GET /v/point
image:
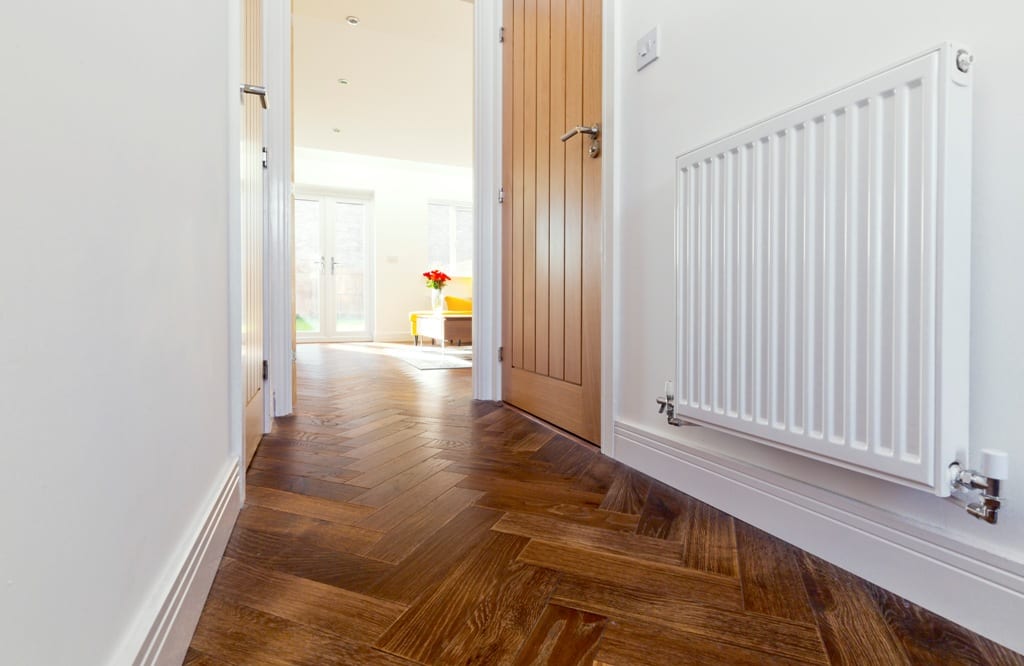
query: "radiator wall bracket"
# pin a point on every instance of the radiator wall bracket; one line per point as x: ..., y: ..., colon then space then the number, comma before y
x: 994, y: 470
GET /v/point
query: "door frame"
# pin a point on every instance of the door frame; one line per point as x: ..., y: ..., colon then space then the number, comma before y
x: 487, y: 164
x: 366, y: 199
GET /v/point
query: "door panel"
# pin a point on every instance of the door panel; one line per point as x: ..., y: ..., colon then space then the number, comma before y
x: 552, y: 220
x: 252, y: 227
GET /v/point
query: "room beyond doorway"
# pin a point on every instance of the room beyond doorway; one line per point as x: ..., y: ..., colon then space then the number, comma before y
x: 388, y: 141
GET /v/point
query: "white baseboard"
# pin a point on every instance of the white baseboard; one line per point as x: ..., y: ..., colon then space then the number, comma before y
x: 973, y: 588
x: 170, y: 631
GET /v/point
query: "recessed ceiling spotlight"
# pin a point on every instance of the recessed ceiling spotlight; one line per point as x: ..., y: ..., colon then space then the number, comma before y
x: 343, y: 82
x: 352, y: 20
x: 336, y: 130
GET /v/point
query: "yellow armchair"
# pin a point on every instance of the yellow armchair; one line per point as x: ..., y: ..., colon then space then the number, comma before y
x: 453, y: 305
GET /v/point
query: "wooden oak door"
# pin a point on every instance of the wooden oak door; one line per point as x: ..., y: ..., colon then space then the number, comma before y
x: 252, y: 226
x: 551, y: 217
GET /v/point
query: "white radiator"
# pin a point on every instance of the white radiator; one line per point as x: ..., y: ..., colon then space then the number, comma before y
x: 823, y: 275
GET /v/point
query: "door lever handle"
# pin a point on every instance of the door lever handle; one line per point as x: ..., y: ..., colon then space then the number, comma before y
x: 593, y: 131
x: 250, y: 89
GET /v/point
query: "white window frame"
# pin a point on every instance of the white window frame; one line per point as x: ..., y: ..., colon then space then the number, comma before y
x: 453, y: 257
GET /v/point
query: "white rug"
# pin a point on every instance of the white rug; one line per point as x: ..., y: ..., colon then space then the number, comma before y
x: 425, y: 357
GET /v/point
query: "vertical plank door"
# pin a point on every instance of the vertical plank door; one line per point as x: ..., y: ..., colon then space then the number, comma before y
x: 551, y: 219
x: 252, y: 227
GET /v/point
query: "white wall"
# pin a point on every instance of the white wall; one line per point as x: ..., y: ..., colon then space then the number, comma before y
x: 728, y: 64
x: 401, y: 191
x: 114, y: 292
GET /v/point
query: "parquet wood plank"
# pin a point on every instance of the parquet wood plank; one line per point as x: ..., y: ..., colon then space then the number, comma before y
x: 304, y: 505
x: 277, y: 446
x: 367, y: 446
x: 422, y: 633
x: 598, y: 476
x: 772, y: 580
x: 494, y: 632
x: 644, y: 644
x: 304, y: 485
x: 584, y: 515
x: 627, y: 492
x: 400, y: 484
x: 426, y: 567
x: 296, y: 468
x: 709, y: 541
x: 337, y: 536
x: 635, y: 574
x: 348, y: 614
x: 243, y: 635
x: 851, y: 625
x: 374, y: 477
x: 664, y: 514
x: 396, y: 451
x: 563, y: 636
x: 396, y: 544
x: 307, y: 559
x: 922, y: 633
x: 400, y: 508
x: 555, y: 493
x: 373, y: 426
x: 782, y: 638
x: 994, y: 654
x: 557, y: 531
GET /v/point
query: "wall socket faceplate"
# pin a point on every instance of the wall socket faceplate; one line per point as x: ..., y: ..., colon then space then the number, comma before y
x: 647, y: 48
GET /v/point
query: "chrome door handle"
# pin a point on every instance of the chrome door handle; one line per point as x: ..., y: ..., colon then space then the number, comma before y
x: 595, y: 133
x: 333, y: 264
x: 250, y: 89
x: 320, y: 263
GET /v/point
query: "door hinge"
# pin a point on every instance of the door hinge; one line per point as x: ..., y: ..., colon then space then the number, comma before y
x: 501, y: 354
x: 501, y: 195
x: 266, y: 370
x: 501, y: 35
x: 264, y: 157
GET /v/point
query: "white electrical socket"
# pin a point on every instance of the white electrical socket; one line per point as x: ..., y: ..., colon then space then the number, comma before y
x: 647, y: 49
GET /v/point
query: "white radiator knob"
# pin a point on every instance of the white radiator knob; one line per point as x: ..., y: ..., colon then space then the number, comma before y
x: 995, y: 464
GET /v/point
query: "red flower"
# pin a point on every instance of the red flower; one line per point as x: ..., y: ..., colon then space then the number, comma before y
x: 436, y: 279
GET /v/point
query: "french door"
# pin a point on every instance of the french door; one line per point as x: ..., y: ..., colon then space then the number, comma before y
x: 333, y: 268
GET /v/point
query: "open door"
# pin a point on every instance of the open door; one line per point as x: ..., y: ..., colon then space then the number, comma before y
x: 551, y: 220
x: 254, y: 102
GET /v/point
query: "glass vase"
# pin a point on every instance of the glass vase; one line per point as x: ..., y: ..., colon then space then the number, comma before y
x: 436, y: 301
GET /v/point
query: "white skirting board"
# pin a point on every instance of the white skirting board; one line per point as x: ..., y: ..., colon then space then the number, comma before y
x: 976, y: 589
x: 165, y: 635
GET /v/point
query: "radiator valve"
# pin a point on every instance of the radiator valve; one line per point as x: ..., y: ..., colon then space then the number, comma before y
x: 667, y: 406
x: 994, y: 470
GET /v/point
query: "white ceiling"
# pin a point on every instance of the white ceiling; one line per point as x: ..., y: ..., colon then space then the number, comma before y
x: 410, y: 69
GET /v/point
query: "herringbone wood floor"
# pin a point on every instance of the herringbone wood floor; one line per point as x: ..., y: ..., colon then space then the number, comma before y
x: 393, y: 520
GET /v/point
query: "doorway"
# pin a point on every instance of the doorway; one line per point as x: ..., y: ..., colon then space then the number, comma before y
x: 333, y: 268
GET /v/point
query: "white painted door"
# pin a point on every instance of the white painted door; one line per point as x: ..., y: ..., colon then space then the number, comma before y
x: 333, y: 268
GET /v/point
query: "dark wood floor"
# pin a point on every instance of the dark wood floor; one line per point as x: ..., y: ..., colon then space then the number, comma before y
x: 393, y: 520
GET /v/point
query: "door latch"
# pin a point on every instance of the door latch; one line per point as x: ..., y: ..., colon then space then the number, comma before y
x: 595, y: 137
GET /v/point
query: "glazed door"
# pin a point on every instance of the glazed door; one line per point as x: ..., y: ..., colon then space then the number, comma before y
x: 333, y: 268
